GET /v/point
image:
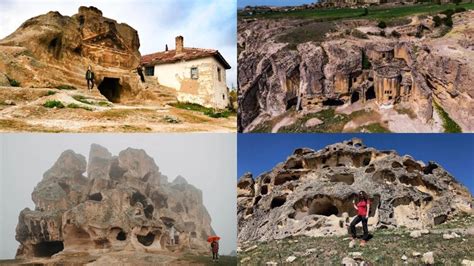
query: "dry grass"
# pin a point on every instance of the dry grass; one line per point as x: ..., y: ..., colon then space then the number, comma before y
x: 11, y: 125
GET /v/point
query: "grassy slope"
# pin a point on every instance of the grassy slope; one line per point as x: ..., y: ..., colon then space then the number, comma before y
x: 385, y: 248
x: 376, y: 13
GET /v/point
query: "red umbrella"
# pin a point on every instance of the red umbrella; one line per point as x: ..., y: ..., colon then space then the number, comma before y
x: 213, y: 238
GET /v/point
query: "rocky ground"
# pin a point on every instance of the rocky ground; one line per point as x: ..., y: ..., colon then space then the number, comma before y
x: 24, y: 110
x: 450, y: 243
x: 303, y: 54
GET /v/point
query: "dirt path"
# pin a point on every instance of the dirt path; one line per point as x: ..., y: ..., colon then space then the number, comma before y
x: 286, y: 121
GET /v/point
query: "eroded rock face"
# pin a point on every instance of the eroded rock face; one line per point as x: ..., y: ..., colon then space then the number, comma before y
x: 124, y: 203
x: 275, y: 76
x: 311, y: 193
x: 51, y: 50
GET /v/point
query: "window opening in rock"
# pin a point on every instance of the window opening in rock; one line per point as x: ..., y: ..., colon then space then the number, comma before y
x: 354, y: 97
x: 277, y: 201
x: 333, y: 102
x: 264, y: 190
x: 121, y: 236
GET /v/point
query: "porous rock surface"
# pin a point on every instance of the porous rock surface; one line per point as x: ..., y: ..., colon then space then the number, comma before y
x: 52, y: 50
x: 275, y: 76
x: 311, y: 193
x: 124, y: 203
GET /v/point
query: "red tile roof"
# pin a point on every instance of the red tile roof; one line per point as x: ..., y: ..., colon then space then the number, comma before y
x: 170, y: 56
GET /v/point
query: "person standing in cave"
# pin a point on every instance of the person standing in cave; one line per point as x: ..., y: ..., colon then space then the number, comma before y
x: 215, y: 250
x: 363, y: 207
x: 90, y: 78
x: 140, y: 73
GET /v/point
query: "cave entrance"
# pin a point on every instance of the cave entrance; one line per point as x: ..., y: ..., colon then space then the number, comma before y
x: 323, y: 206
x: 370, y: 93
x: 146, y: 240
x: 291, y: 103
x: 333, y: 102
x: 48, y: 249
x: 354, y: 97
x: 111, y: 89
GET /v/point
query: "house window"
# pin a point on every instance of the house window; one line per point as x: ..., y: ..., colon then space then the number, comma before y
x: 149, y: 71
x: 194, y: 73
x: 219, y: 74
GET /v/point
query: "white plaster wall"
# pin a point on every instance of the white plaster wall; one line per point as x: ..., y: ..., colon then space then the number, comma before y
x: 171, y: 75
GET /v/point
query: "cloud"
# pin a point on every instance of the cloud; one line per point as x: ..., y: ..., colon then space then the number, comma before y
x: 203, y: 23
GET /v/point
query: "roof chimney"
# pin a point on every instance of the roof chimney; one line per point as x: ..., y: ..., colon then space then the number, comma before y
x: 166, y: 48
x: 179, y: 44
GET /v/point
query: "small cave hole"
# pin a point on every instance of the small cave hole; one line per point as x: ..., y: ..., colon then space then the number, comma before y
x: 370, y: 93
x: 333, y: 102
x: 146, y: 240
x: 121, y: 236
x: 277, y: 201
x: 264, y: 190
x: 149, y: 211
x: 96, y: 197
x: 396, y: 165
x: 48, y: 249
x: 354, y: 98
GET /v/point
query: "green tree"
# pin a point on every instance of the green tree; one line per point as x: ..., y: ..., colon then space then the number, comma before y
x: 382, y: 24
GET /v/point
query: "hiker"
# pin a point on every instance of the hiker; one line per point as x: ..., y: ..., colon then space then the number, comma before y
x: 90, y: 78
x: 362, y: 207
x: 172, y: 233
x: 215, y: 250
x: 140, y: 73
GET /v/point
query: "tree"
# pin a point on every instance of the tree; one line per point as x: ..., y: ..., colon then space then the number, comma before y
x: 366, y: 12
x: 437, y: 21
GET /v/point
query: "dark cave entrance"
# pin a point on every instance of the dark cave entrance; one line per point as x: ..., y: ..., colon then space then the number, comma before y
x: 121, y: 236
x: 48, y: 249
x: 370, y: 93
x: 323, y: 206
x: 146, y: 240
x: 291, y: 103
x: 354, y: 97
x: 333, y: 102
x: 111, y: 89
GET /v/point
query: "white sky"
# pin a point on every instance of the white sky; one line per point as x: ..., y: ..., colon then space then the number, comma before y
x: 210, y: 24
x: 207, y: 161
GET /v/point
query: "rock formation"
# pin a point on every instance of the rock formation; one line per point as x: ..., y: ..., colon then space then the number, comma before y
x: 124, y: 203
x: 311, y: 193
x: 52, y: 50
x: 340, y: 69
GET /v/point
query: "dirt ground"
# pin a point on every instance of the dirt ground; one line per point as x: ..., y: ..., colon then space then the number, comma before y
x: 23, y: 110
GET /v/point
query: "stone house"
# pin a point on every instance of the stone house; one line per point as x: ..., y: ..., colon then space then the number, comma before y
x: 198, y: 75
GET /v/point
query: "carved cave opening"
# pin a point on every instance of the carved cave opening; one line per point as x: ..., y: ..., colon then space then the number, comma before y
x: 146, y: 240
x: 121, y: 236
x: 370, y: 93
x: 111, y: 89
x: 278, y: 201
x: 95, y: 197
x: 355, y: 97
x: 48, y: 249
x: 54, y: 47
x: 333, y: 102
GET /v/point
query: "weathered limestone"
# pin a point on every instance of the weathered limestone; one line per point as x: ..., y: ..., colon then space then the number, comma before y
x: 311, y: 193
x: 124, y: 203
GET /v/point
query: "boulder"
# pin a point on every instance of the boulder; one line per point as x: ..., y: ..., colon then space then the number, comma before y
x: 428, y: 258
x: 119, y: 206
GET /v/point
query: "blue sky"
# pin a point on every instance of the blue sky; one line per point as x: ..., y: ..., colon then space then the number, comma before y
x: 243, y: 3
x: 258, y: 153
x: 203, y: 23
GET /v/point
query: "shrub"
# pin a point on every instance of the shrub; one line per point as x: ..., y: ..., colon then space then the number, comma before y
x: 53, y: 104
x: 448, y: 12
x: 459, y: 10
x: 13, y: 82
x: 366, y: 12
x: 395, y: 34
x: 365, y: 62
x: 49, y: 93
x: 448, y: 21
x: 382, y: 24
x: 437, y: 21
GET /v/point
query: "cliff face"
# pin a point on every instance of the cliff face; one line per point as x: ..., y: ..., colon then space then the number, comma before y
x: 52, y: 49
x: 311, y: 193
x: 278, y: 73
x: 124, y: 203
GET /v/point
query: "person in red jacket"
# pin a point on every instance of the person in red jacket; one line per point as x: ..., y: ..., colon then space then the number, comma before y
x: 215, y: 250
x: 363, y: 207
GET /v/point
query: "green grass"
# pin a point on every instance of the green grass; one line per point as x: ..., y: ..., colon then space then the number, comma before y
x: 82, y: 99
x: 385, y: 248
x: 449, y: 125
x: 66, y: 87
x: 375, y: 13
x: 53, y: 104
x: 49, y: 93
x: 315, y: 32
x: 207, y: 111
x: 76, y: 106
x: 13, y: 82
